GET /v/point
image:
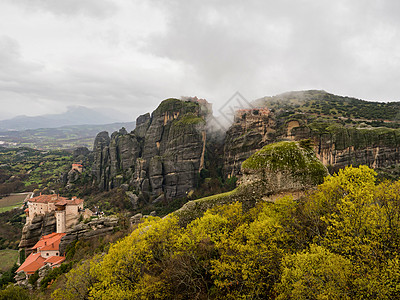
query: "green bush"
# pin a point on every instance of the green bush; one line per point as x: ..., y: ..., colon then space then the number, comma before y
x: 12, y: 292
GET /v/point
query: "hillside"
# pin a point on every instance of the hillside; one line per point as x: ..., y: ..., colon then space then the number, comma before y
x: 216, y: 246
x: 25, y: 169
x: 309, y: 248
x: 67, y: 137
x: 319, y: 102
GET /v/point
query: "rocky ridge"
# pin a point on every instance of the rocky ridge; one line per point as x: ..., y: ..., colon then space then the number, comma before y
x: 283, y: 168
x: 161, y: 158
x: 336, y: 145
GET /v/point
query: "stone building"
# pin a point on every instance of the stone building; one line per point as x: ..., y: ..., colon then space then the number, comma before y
x: 45, y: 253
x: 67, y: 211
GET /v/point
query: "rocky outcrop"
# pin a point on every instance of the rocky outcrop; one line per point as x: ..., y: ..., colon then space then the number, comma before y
x: 336, y: 146
x: 162, y: 157
x: 284, y: 168
x: 250, y: 131
x: 93, y: 229
x: 39, y: 226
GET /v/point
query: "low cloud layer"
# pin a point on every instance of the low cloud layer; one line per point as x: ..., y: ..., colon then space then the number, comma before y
x: 130, y: 55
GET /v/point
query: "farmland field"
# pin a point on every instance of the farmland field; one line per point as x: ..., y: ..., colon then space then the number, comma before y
x: 7, y: 259
x: 12, y: 201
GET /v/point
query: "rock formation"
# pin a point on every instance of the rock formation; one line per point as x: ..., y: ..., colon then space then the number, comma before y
x: 277, y: 169
x: 282, y: 167
x: 162, y: 157
x: 32, y: 232
x: 335, y: 145
x: 94, y: 229
x: 250, y: 131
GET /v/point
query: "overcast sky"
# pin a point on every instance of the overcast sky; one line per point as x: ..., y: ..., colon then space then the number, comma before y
x: 129, y: 55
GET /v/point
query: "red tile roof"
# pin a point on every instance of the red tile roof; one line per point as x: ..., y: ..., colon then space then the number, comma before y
x: 54, y: 260
x: 50, y: 242
x: 46, y: 199
x: 32, y: 263
x: 73, y: 201
x: 57, y: 200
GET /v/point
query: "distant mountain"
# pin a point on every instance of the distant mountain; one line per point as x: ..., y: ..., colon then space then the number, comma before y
x: 75, y: 115
x: 66, y: 137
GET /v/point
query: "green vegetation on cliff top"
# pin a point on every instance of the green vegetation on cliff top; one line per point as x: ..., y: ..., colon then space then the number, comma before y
x: 189, y: 119
x: 173, y: 104
x: 297, y: 158
x: 323, y: 103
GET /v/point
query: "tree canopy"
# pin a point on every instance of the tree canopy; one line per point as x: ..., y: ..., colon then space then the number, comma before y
x: 340, y: 241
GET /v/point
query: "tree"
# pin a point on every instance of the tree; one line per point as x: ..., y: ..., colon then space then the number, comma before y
x: 315, y: 274
x: 12, y: 292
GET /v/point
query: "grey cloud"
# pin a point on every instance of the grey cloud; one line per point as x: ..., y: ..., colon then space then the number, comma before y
x: 131, y: 90
x: 91, y: 8
x: 206, y: 48
x: 275, y: 46
x: 11, y: 61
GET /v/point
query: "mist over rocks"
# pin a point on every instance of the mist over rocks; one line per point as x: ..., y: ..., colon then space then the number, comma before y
x: 163, y: 157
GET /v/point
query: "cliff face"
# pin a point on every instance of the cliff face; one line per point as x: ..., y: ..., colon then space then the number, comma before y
x: 283, y: 168
x: 250, y: 131
x: 162, y: 157
x: 40, y: 225
x: 339, y: 146
x: 335, y: 145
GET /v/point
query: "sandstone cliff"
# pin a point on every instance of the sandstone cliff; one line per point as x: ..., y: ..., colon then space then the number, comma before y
x: 94, y: 229
x: 278, y: 169
x: 336, y: 145
x: 32, y: 232
x: 161, y: 158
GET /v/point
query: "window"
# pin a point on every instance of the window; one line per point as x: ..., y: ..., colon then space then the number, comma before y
x: 47, y: 254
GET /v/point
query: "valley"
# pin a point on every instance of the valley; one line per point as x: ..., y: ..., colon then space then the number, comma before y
x: 277, y: 182
x: 60, y: 138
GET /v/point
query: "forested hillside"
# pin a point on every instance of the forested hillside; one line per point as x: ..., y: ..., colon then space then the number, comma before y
x: 340, y: 241
x: 323, y: 103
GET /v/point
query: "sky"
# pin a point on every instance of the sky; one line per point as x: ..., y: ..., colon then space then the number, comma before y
x: 129, y: 55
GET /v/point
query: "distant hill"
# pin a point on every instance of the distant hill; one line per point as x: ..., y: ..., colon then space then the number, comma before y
x: 66, y: 137
x: 75, y: 115
x: 322, y: 103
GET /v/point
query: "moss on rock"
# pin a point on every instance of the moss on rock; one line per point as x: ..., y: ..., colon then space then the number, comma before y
x: 275, y: 169
x: 291, y: 158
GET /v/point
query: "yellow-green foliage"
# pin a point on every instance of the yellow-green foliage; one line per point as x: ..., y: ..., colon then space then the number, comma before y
x: 315, y: 274
x: 341, y: 241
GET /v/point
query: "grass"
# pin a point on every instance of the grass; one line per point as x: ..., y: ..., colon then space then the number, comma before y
x: 7, y: 259
x: 11, y: 202
x: 11, y: 207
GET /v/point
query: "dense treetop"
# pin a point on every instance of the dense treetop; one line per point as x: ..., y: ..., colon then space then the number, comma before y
x: 339, y: 241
